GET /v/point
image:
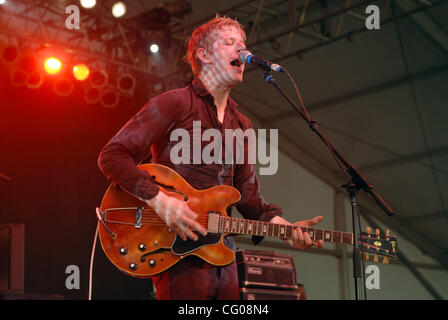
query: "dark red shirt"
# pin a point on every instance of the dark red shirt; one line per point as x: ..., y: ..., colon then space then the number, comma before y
x: 147, y: 136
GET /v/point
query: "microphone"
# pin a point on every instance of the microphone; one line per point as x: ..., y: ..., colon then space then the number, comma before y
x: 247, y: 57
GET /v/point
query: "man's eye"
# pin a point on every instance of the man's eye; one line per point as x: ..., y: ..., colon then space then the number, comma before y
x: 228, y: 41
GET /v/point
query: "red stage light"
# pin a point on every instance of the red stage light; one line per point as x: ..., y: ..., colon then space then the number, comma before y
x: 81, y: 72
x: 52, y: 65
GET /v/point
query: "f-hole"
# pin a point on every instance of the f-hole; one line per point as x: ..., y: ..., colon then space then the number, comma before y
x: 170, y: 188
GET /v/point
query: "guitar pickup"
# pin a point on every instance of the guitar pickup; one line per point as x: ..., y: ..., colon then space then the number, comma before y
x: 213, y: 222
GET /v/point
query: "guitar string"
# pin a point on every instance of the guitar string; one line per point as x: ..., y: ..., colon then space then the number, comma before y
x: 153, y: 215
x: 154, y: 219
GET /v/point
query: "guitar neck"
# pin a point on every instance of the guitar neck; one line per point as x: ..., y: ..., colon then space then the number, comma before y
x: 281, y: 231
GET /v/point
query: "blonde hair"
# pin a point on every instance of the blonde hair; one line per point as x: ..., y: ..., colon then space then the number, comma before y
x: 201, y: 36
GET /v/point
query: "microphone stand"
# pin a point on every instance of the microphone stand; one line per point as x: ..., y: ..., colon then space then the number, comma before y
x: 357, y: 183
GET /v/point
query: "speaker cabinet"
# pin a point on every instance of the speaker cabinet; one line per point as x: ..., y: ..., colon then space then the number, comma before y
x: 266, y: 269
x: 270, y: 294
x: 12, y: 257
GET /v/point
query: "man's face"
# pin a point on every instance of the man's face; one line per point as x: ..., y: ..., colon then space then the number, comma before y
x: 225, y: 67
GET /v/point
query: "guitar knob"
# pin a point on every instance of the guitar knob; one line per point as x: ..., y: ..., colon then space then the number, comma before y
x: 142, y: 247
x: 133, y: 266
x: 152, y: 263
x: 123, y: 251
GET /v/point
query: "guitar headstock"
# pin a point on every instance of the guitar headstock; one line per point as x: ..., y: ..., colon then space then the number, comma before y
x: 379, y: 244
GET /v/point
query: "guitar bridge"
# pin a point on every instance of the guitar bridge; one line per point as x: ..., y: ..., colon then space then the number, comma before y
x: 138, y: 216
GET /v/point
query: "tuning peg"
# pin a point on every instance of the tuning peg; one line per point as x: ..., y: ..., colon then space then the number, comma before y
x: 375, y: 258
x: 385, y: 261
x: 367, y: 256
x: 368, y: 229
x: 377, y: 231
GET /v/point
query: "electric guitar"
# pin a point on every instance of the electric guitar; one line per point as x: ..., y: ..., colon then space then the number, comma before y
x: 140, y: 244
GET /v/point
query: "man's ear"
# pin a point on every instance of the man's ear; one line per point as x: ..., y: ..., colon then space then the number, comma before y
x: 203, y: 55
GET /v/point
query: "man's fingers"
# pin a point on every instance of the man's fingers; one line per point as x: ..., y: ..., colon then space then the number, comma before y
x: 313, y: 221
x: 319, y: 244
x: 193, y: 224
x: 308, y: 241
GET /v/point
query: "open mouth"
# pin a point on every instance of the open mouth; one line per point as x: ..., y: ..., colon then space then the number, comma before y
x: 236, y: 63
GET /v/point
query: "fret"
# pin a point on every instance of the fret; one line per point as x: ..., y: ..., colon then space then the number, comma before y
x: 282, y: 231
x: 261, y: 228
x: 347, y: 238
x: 311, y: 233
x: 289, y: 230
x: 339, y: 234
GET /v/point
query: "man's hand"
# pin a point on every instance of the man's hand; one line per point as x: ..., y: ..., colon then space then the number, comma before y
x: 301, y: 240
x: 177, y: 215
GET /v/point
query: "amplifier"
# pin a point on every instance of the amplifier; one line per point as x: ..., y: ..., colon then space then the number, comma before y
x: 12, y: 257
x: 265, y: 269
x: 269, y: 294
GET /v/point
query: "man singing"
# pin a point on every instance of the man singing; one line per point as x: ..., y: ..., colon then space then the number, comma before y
x: 213, y: 53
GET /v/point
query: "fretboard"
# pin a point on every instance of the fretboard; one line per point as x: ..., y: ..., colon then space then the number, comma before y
x: 267, y: 229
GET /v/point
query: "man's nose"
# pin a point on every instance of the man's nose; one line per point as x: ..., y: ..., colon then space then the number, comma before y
x: 241, y: 49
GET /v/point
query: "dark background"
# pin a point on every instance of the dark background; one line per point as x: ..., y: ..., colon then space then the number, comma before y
x: 49, y: 146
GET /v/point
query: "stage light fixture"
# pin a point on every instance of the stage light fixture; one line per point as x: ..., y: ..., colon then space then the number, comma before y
x: 2, y: 2
x: 81, y: 72
x: 88, y: 4
x: 98, y: 78
x: 52, y: 65
x: 9, y: 54
x: 126, y: 83
x: 92, y: 95
x: 63, y: 87
x: 119, y: 9
x: 35, y: 80
x: 18, y: 77
x: 109, y: 99
x: 154, y: 47
x: 28, y: 62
